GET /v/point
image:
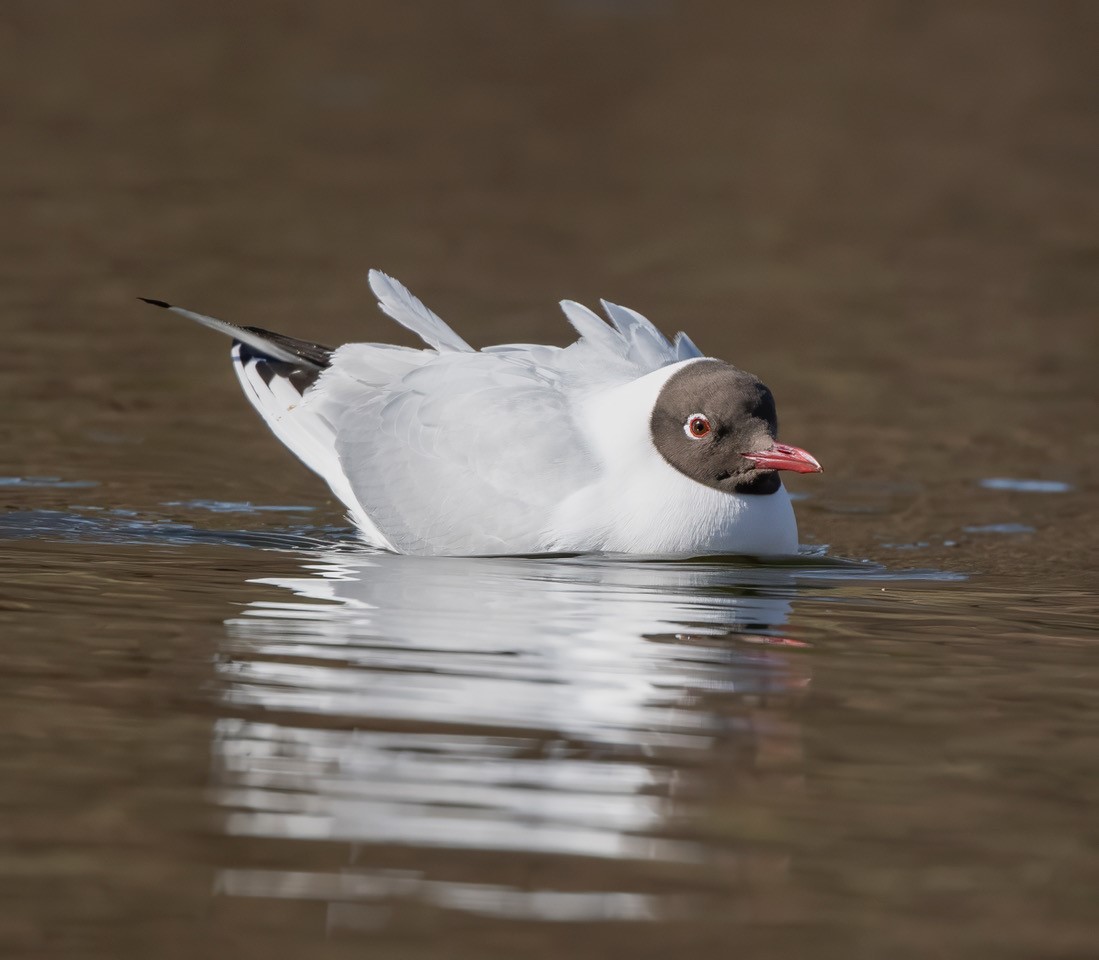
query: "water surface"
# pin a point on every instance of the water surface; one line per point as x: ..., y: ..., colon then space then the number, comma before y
x: 242, y: 737
x: 229, y: 732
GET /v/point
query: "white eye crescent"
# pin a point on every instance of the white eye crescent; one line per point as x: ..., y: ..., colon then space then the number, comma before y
x: 697, y: 426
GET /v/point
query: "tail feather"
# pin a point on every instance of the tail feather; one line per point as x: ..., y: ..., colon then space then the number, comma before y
x: 277, y: 374
x: 275, y: 346
x: 280, y: 392
x: 304, y: 351
x: 277, y: 390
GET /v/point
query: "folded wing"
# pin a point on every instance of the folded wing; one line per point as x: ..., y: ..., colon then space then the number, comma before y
x: 468, y: 454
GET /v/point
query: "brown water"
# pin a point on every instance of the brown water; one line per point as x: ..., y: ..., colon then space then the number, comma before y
x: 229, y: 732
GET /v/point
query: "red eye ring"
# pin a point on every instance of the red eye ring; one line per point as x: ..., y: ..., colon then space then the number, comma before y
x: 697, y: 427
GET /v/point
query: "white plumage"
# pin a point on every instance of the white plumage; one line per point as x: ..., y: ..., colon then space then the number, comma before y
x: 514, y: 449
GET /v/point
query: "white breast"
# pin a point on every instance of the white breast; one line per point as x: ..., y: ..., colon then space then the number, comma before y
x: 641, y: 504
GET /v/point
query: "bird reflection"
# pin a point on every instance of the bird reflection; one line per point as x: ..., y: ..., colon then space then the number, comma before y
x: 570, y: 709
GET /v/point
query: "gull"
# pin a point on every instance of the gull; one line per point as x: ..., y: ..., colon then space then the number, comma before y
x: 623, y: 442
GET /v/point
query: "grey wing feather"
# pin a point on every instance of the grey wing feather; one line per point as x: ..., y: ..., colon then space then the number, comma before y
x: 647, y: 345
x: 685, y: 348
x: 630, y: 322
x: 593, y: 329
x: 398, y: 302
x: 629, y: 340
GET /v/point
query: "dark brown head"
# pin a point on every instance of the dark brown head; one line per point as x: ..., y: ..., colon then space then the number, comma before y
x: 717, y: 425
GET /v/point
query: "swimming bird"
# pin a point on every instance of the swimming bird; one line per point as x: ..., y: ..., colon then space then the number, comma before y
x: 623, y: 442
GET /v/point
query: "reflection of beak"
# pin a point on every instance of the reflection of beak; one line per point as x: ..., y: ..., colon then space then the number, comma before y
x: 781, y: 457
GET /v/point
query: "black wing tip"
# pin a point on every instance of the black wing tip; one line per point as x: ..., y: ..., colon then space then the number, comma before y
x: 156, y: 303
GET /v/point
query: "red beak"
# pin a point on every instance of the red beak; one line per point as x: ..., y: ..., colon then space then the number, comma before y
x: 782, y: 457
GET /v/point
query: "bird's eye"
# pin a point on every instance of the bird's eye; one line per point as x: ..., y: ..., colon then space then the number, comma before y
x: 697, y: 427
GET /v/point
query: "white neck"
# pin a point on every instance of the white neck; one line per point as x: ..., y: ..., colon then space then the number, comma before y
x: 641, y: 504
